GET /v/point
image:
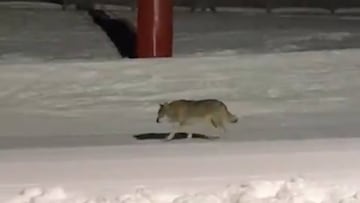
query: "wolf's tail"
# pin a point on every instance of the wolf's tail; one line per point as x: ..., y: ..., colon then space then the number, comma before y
x: 231, y: 117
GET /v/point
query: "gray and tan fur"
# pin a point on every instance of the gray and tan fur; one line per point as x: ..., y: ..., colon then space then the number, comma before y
x: 185, y: 112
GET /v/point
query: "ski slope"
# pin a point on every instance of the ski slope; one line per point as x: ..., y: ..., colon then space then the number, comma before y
x: 69, y: 118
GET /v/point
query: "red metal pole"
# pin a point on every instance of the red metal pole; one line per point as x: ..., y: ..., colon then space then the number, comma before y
x: 154, y: 28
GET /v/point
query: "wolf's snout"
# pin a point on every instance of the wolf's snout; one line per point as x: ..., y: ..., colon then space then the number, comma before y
x: 158, y: 120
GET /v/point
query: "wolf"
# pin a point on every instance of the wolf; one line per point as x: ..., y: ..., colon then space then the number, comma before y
x: 186, y: 112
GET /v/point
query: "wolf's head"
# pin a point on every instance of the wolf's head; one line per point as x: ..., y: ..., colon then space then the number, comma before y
x: 162, y: 111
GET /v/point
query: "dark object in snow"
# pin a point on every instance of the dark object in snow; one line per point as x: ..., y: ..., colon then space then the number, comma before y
x: 120, y: 31
x: 203, y: 5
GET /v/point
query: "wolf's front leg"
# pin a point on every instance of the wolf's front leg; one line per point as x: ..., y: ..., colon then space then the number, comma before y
x: 189, y: 135
x: 172, y: 133
x: 170, y: 136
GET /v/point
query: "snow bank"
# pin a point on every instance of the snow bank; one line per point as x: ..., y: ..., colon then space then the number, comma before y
x: 295, y: 190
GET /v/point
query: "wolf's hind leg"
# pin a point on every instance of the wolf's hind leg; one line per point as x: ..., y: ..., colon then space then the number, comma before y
x: 222, y: 126
x: 218, y: 125
x: 213, y: 123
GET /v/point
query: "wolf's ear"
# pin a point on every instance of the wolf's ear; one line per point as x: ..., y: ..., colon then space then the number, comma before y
x: 163, y: 104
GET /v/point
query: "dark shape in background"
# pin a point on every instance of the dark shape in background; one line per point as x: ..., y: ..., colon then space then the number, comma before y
x: 120, y: 31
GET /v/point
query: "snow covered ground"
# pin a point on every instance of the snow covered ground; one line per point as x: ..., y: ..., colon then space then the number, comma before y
x: 304, y: 100
x: 310, y: 94
x: 68, y: 124
x: 282, y: 171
